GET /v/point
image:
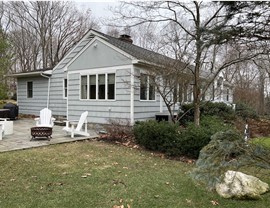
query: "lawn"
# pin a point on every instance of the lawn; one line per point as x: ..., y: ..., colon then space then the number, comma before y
x: 97, y: 174
x: 262, y: 141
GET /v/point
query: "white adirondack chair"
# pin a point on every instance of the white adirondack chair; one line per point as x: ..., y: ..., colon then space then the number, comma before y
x: 70, y: 126
x: 45, y: 119
x: 6, y: 127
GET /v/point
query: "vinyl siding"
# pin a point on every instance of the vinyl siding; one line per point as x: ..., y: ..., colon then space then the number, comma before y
x: 58, y: 103
x: 98, y: 55
x: 38, y: 101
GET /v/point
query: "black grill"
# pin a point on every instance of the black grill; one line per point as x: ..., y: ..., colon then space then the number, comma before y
x: 14, y: 110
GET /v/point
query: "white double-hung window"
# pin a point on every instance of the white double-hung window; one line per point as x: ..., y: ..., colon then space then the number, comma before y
x: 98, y: 87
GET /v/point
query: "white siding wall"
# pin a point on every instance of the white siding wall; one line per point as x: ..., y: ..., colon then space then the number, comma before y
x: 58, y: 103
x: 38, y: 101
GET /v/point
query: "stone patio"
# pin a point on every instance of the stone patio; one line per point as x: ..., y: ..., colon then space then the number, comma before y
x: 20, y: 139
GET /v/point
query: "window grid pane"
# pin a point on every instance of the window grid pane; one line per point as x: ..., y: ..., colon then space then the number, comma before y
x: 84, y: 87
x: 101, y: 86
x: 143, y: 87
x: 151, y: 89
x: 111, y: 86
x: 29, y: 89
x: 93, y: 87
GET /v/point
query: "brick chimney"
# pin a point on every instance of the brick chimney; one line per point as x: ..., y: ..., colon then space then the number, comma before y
x: 126, y: 38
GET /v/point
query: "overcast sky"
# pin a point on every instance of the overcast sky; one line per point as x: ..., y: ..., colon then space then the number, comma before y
x: 98, y: 8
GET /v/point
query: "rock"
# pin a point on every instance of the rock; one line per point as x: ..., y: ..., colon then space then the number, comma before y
x: 241, y: 186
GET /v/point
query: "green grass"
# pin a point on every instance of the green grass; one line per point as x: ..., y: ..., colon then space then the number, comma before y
x: 97, y: 174
x: 262, y: 141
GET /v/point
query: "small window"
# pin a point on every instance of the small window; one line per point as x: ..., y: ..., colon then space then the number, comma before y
x: 93, y: 87
x: 111, y: 86
x: 29, y: 89
x: 65, y: 88
x: 84, y: 87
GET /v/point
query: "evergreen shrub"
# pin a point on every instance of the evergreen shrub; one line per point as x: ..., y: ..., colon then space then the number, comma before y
x: 175, y: 141
x: 193, y: 139
x: 245, y: 111
x: 158, y: 136
x: 221, y: 110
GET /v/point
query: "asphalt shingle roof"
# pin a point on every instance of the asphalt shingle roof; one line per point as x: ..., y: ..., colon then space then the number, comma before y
x: 139, y: 52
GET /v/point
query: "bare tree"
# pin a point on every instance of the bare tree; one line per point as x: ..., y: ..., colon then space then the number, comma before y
x: 42, y: 32
x: 194, y: 31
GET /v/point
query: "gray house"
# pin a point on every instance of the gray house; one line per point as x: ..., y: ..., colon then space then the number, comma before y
x: 100, y: 75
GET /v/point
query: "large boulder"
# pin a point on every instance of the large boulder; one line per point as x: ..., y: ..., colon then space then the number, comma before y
x: 241, y: 186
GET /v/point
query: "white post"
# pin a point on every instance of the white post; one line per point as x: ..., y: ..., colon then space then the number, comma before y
x: 132, y: 95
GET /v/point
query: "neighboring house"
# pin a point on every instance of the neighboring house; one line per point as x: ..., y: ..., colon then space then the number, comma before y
x: 98, y: 75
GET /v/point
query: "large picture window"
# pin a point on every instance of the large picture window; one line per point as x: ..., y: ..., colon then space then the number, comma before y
x: 29, y: 89
x: 147, y: 87
x: 98, y: 87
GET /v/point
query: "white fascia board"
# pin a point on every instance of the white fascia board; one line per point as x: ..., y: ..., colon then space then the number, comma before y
x: 100, y: 70
x: 48, y: 72
x: 105, y: 43
x: 146, y: 63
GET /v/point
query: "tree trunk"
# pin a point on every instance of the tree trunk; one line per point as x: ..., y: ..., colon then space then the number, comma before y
x: 261, y: 88
x: 197, y: 114
x: 196, y: 87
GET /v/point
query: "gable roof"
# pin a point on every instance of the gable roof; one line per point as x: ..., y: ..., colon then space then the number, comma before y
x: 139, y: 53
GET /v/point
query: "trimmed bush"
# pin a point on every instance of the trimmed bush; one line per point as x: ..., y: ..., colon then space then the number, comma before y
x: 158, y: 136
x: 175, y: 141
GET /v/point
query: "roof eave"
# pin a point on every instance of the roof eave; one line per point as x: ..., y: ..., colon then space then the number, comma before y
x: 30, y: 74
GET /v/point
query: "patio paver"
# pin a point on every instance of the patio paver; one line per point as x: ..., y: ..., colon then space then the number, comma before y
x: 20, y: 139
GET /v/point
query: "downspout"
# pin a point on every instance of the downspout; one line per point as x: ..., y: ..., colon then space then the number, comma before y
x: 49, y: 85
